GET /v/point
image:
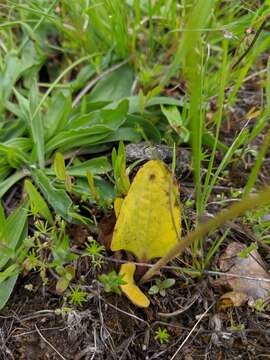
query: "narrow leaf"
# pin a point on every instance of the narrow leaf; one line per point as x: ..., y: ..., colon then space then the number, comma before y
x: 6, y: 289
x: 37, y: 200
x: 57, y: 198
x: 59, y: 166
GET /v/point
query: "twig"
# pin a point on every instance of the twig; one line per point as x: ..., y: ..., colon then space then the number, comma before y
x: 47, y: 342
x: 89, y: 348
x: 126, y: 313
x: 210, y: 272
x: 95, y: 80
x: 60, y: 328
x: 147, y: 265
x: 191, y: 331
x: 255, y: 38
x: 38, y: 314
x: 180, y: 311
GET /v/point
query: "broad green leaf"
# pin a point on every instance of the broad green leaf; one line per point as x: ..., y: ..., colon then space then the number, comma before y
x: 122, y: 134
x: 57, y: 198
x: 167, y: 283
x: 21, y: 143
x: 11, y: 180
x: 16, y: 109
x: 10, y: 271
x: 30, y: 56
x: 89, y: 131
x: 13, y: 68
x: 97, y: 166
x: 149, y: 221
x: 154, y: 290
x: 105, y: 190
x: 114, y: 86
x: 174, y: 118
x: 12, y: 130
x: 75, y: 138
x: 14, y: 156
x: 88, y: 107
x: 24, y: 107
x: 134, y: 102
x: 56, y: 118
x: 85, y: 73
x: 37, y: 200
x: 6, y: 289
x: 62, y: 284
x: 65, y: 279
x: 14, y: 228
x: 35, y: 125
x: 148, y: 129
x: 112, y: 117
x: 5, y: 250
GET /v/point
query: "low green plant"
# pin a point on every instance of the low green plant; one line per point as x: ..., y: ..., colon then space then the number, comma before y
x: 77, y: 296
x: 95, y: 252
x: 259, y: 221
x: 260, y: 305
x: 162, y: 335
x: 67, y: 274
x: 161, y: 286
x: 48, y: 249
x: 63, y: 311
x: 121, y: 179
x: 237, y: 327
x: 111, y: 282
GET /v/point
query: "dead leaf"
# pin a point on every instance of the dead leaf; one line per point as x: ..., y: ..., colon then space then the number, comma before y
x: 130, y: 289
x: 231, y: 299
x: 79, y: 233
x: 250, y: 266
x: 149, y: 219
x: 106, y: 227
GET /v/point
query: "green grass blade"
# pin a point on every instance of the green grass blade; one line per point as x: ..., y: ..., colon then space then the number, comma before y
x: 258, y: 163
x: 218, y: 118
x: 196, y: 21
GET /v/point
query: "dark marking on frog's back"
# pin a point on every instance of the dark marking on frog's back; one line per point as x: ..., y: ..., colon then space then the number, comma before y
x: 152, y: 177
